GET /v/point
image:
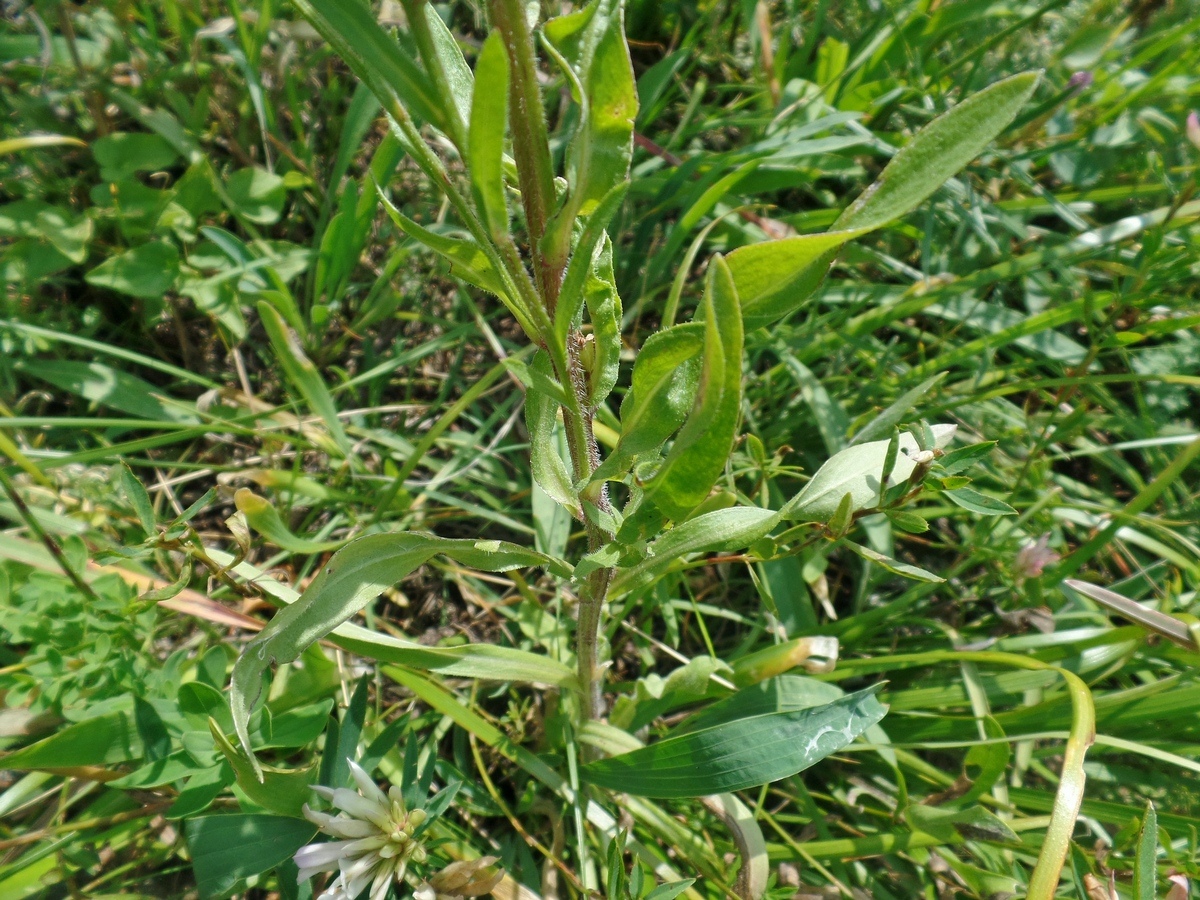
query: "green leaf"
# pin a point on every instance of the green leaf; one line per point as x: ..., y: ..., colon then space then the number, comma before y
x: 256, y: 194
x: 146, y: 272
x: 973, y: 824
x: 302, y: 374
x: 721, y: 530
x: 122, y: 154
x: 1145, y: 862
x: 857, y: 471
x: 353, y: 577
x: 963, y: 458
x: 938, y: 152
x: 581, y: 265
x: 665, y: 379
x: 467, y: 259
x: 894, y: 565
x: 453, y: 69
x: 485, y: 142
x: 604, y: 311
x: 101, y: 741
x: 969, y: 498
x: 890, y: 417
x: 592, y: 43
x: 228, y: 849
x: 264, y: 518
x: 541, y: 418
x: 701, y: 449
x: 375, y: 57
x: 739, y: 754
x: 135, y: 492
x: 776, y: 277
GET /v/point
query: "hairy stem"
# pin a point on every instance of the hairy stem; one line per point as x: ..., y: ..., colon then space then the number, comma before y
x: 535, y: 172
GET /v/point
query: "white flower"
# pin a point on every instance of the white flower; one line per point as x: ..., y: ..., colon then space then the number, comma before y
x: 374, y: 839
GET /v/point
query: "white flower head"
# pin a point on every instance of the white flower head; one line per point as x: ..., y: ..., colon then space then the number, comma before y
x: 373, y: 839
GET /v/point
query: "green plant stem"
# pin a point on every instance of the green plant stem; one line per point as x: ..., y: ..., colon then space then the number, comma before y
x: 531, y: 145
x: 535, y: 173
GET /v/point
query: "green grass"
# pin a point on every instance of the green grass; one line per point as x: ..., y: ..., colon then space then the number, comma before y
x: 1052, y: 287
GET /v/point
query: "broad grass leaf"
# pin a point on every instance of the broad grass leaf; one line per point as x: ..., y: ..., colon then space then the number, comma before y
x: 353, y: 577
x: 227, y: 849
x: 104, y: 385
x: 1144, y: 863
x: 739, y: 754
x: 701, y: 449
x: 857, y: 471
x: 485, y: 143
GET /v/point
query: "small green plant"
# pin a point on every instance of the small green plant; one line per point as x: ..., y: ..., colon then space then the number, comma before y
x: 533, y: 234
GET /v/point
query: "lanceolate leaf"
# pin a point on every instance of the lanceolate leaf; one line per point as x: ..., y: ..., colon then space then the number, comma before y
x: 352, y: 578
x: 739, y: 754
x: 775, y: 278
x: 549, y: 470
x: 938, y: 152
x: 489, y: 118
x: 857, y: 471
x: 604, y: 311
x: 665, y: 377
x: 702, y: 447
x: 592, y: 42
x: 571, y: 295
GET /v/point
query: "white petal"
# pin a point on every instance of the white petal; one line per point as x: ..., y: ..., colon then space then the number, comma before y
x: 357, y: 875
x: 424, y: 892
x: 383, y: 880
x: 345, y: 827
x: 366, y: 786
x: 361, y: 808
x: 322, y: 857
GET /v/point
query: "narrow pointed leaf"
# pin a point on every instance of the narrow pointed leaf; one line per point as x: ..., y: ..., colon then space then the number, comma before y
x: 702, y: 447
x: 301, y: 373
x: 485, y: 143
